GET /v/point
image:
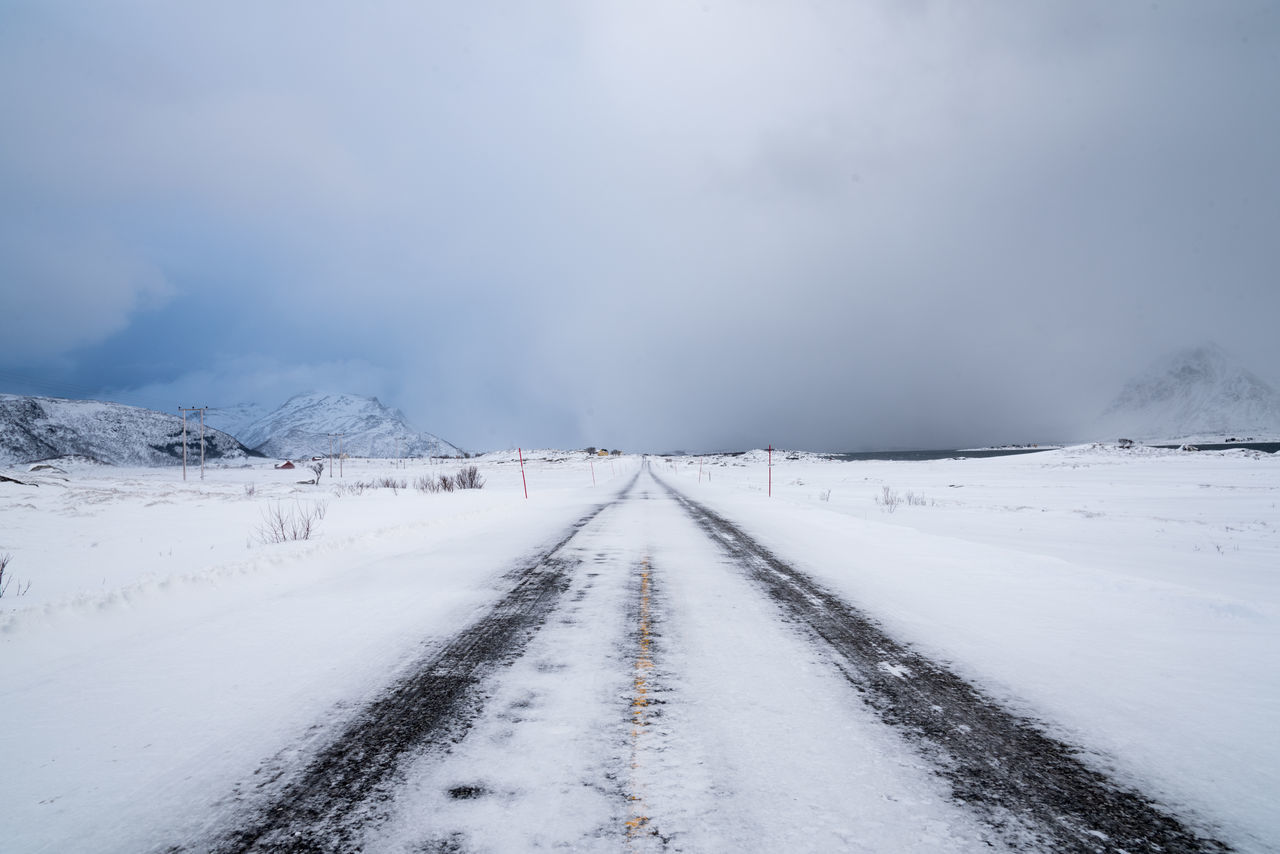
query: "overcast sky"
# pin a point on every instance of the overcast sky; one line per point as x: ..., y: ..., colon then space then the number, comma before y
x: 658, y: 225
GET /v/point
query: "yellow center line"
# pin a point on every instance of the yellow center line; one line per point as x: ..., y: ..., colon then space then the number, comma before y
x: 640, y: 705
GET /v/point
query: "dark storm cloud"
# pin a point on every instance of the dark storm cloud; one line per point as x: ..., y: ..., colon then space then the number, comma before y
x: 828, y: 225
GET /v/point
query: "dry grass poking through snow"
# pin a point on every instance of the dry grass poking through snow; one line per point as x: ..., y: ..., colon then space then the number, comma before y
x: 282, y: 525
x: 6, y: 583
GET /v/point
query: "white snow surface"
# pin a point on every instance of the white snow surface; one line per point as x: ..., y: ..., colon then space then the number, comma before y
x: 1201, y: 393
x: 307, y: 424
x: 1128, y: 600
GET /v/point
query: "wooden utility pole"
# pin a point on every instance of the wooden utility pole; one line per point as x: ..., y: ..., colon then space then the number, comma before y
x: 184, y: 410
x: 339, y: 437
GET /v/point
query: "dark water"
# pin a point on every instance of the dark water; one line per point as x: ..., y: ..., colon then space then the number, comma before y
x: 917, y: 456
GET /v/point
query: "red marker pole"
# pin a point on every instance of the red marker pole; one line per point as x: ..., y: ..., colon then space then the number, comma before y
x: 593, y: 472
x: 771, y: 471
x: 522, y: 478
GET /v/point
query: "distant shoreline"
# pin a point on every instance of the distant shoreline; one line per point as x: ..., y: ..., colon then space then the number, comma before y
x: 924, y: 455
x: 1266, y: 447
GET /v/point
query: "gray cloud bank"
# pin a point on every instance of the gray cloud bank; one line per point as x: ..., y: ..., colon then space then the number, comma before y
x: 830, y: 225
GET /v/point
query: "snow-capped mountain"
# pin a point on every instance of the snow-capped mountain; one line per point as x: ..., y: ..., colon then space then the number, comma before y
x: 1201, y: 392
x: 303, y: 425
x: 39, y: 428
x: 234, y: 419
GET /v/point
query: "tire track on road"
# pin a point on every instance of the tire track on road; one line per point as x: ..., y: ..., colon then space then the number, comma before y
x: 325, y: 807
x: 1030, y: 786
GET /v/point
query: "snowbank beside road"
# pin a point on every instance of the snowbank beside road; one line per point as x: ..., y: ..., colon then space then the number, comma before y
x: 164, y: 651
x: 1131, y: 601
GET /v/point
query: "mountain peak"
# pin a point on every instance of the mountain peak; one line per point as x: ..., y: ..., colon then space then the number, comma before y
x: 1196, y: 391
x: 35, y: 428
x: 303, y: 426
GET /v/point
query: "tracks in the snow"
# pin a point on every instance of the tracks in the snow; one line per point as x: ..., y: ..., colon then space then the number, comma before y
x: 1033, y: 788
x: 325, y: 807
x: 1019, y: 779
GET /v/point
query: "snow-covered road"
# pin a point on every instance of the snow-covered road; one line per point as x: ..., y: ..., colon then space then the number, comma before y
x: 664, y: 706
x: 656, y: 663
x: 656, y: 680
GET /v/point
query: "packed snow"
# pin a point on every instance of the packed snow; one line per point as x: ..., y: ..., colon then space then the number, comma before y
x: 165, y: 649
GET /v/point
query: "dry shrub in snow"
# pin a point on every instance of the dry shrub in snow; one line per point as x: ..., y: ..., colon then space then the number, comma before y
x: 468, y: 477
x: 5, y: 582
x: 443, y: 483
x: 888, y: 499
x: 281, y: 524
x: 391, y: 483
x: 355, y: 488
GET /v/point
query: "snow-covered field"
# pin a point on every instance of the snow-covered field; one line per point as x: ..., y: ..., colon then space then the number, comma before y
x: 1130, y: 600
